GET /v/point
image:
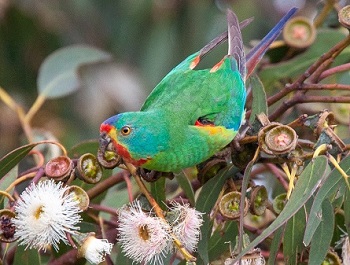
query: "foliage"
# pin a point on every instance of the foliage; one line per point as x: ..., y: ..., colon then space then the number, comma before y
x: 290, y: 162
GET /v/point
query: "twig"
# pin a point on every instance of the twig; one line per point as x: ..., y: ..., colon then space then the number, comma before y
x: 299, y: 98
x: 129, y: 187
x: 103, y: 208
x: 106, y: 184
x: 334, y: 70
x: 297, y: 84
x: 308, y: 86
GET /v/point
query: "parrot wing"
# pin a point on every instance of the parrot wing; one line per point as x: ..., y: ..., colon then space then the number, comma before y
x: 215, y: 95
x: 167, y: 91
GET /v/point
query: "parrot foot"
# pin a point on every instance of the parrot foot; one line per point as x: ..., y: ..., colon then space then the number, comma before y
x: 152, y: 175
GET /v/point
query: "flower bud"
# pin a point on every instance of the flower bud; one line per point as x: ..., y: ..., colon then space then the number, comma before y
x: 7, y: 228
x: 210, y: 168
x: 94, y: 250
x: 108, y: 159
x: 229, y: 205
x: 59, y: 168
x: 277, y: 139
x: 80, y: 196
x: 259, y: 200
x: 88, y: 169
x: 299, y: 32
x: 332, y: 258
x: 344, y: 16
x: 279, y: 202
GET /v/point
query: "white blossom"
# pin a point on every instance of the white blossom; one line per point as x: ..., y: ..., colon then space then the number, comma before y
x: 143, y: 238
x: 44, y: 214
x: 346, y: 250
x: 186, y: 225
x: 94, y: 250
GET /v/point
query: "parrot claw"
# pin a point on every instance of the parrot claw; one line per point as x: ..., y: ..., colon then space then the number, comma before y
x: 152, y: 175
x: 149, y: 175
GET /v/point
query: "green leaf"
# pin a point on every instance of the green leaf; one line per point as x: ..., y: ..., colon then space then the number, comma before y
x: 5, y: 182
x: 347, y: 210
x: 296, y: 66
x: 58, y: 74
x: 205, y: 202
x: 158, y: 192
x: 322, y: 238
x: 259, y: 104
x: 293, y: 237
x: 275, y: 245
x: 221, y: 240
x: 10, y: 160
x: 304, y: 189
x: 121, y: 258
x: 327, y: 190
x: 90, y: 146
x: 186, y: 186
x: 245, y: 182
x: 26, y: 256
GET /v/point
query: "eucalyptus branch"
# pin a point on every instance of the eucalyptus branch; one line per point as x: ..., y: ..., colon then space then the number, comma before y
x: 334, y: 70
x: 106, y: 184
x: 12, y: 104
x: 299, y: 98
x: 308, y: 86
x: 322, y: 62
x: 103, y: 208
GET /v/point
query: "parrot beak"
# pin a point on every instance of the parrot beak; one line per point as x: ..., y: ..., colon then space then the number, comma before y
x: 105, y: 143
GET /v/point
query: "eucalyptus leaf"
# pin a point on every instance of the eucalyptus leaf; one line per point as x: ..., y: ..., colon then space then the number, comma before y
x: 186, y: 186
x: 58, y: 74
x: 90, y: 146
x: 327, y: 190
x: 308, y: 182
x: 259, y: 104
x: 347, y: 210
x: 158, y: 192
x: 10, y: 160
x: 222, y: 239
x: 26, y: 256
x: 5, y: 182
x: 322, y: 238
x: 121, y: 258
x: 275, y: 245
x: 293, y: 237
x: 205, y: 202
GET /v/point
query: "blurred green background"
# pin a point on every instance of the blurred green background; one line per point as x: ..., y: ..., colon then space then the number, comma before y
x: 146, y: 38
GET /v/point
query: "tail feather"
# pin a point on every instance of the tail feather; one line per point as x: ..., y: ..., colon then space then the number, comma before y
x: 235, y: 43
x: 254, y: 56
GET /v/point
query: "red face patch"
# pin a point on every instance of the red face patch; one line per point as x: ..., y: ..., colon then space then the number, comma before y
x: 124, y: 153
x: 105, y: 127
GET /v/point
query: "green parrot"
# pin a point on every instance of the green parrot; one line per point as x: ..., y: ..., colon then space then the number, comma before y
x: 191, y: 114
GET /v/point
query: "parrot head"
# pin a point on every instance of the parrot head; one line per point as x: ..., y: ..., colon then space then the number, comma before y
x: 136, y: 137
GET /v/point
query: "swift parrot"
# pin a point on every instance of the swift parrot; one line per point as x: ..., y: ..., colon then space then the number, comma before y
x: 191, y: 114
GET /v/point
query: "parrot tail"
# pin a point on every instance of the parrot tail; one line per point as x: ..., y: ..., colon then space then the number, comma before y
x: 215, y: 42
x: 235, y: 42
x: 254, y: 56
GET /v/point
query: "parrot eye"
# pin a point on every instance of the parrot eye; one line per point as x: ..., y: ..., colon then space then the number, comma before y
x: 126, y: 130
